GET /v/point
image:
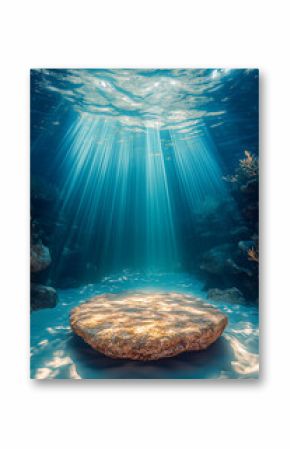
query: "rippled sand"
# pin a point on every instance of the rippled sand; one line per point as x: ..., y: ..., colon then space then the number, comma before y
x: 57, y: 353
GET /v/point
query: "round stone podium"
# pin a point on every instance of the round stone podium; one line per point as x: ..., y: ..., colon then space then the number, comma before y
x: 147, y: 326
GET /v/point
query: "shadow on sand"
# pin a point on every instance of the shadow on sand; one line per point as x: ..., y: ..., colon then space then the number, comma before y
x: 211, y: 363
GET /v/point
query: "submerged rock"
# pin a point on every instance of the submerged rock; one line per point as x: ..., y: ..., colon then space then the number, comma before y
x: 237, y: 269
x: 220, y: 260
x: 216, y: 260
x: 231, y: 295
x: 39, y: 257
x: 42, y: 296
x: 147, y: 326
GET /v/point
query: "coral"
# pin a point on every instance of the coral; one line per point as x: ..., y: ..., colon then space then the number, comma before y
x: 248, y: 169
x: 253, y: 255
x: 249, y: 165
x: 235, y: 260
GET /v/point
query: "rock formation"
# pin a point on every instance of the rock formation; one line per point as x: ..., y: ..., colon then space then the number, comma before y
x: 39, y: 257
x: 231, y: 295
x: 42, y: 296
x: 147, y: 326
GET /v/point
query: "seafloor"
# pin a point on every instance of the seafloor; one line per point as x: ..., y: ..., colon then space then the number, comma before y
x: 57, y: 353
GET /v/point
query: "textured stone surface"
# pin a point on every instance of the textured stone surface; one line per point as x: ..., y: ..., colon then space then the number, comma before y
x: 42, y: 296
x: 39, y: 257
x: 231, y: 295
x: 147, y: 326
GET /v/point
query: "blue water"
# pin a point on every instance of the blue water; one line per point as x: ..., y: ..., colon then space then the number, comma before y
x: 136, y: 158
x: 127, y: 170
x: 56, y: 353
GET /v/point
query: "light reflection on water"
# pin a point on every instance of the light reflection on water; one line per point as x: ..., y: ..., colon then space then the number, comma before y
x: 57, y: 353
x: 167, y: 98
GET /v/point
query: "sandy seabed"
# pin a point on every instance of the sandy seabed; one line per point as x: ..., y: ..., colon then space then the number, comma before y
x: 57, y: 353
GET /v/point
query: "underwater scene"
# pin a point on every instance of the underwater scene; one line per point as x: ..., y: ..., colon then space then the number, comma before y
x: 144, y: 224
